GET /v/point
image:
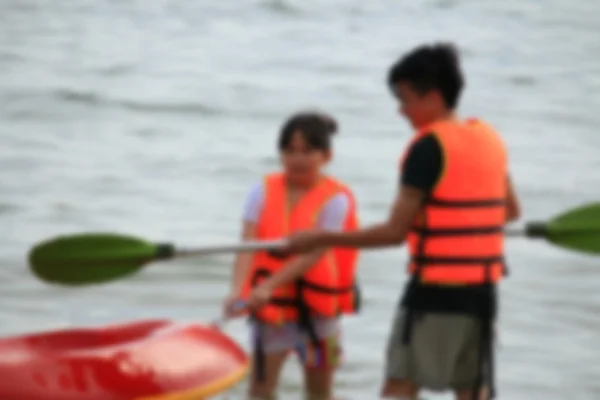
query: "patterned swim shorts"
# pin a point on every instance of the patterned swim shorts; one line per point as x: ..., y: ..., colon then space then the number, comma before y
x: 327, y: 353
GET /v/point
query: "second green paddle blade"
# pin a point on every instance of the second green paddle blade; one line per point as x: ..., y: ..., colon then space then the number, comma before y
x: 578, y: 229
x: 89, y: 258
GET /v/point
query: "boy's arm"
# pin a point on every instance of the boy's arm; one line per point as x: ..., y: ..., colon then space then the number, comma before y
x: 513, y: 209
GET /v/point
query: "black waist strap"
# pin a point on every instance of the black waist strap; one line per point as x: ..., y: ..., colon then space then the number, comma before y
x: 423, y: 261
x: 478, y: 301
x: 457, y: 231
x: 261, y: 273
x: 477, y: 261
x: 439, y: 202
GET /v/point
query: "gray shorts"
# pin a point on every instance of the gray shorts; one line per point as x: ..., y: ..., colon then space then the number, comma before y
x: 443, y: 352
x: 290, y: 338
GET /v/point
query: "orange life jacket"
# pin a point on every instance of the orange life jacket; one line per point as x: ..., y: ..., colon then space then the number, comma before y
x: 457, y: 239
x: 328, y: 288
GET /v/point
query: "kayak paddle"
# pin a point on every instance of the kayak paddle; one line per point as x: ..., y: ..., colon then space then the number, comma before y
x: 577, y: 229
x: 92, y: 258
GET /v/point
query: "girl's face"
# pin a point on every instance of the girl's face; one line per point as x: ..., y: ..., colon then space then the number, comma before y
x: 301, y: 163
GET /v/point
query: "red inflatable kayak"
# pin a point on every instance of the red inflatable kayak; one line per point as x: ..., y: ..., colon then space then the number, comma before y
x: 145, y: 360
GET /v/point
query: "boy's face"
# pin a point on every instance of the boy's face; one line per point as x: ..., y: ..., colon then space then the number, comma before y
x: 418, y: 108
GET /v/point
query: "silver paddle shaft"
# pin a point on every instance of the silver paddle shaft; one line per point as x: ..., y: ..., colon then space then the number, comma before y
x: 239, y: 247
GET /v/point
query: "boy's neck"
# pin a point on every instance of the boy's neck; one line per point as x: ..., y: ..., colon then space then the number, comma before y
x: 446, y: 116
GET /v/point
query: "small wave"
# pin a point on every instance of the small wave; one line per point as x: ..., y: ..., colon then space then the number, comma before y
x: 149, y: 132
x: 6, y: 56
x: 115, y: 70
x: 27, y: 115
x: 445, y: 4
x: 7, y: 208
x: 522, y: 80
x: 61, y: 207
x: 281, y: 7
x: 468, y: 52
x: 90, y: 98
x: 345, y: 69
x: 77, y: 96
x: 196, y: 108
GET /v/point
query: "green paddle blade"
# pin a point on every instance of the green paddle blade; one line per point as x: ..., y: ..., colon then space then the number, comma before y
x: 83, y: 259
x: 577, y: 229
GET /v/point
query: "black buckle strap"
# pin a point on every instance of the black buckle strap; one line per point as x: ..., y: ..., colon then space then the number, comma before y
x: 480, y: 203
x: 304, y: 315
x: 259, y: 352
x: 486, y: 344
x: 325, y: 289
x: 485, y: 360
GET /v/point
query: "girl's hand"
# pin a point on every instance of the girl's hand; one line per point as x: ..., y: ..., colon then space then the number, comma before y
x: 233, y: 305
x: 260, y: 296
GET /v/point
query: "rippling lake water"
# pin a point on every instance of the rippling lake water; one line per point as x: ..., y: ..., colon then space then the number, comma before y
x: 155, y: 118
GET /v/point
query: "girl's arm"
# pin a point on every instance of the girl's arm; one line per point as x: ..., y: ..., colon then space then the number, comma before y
x: 252, y: 210
x: 242, y: 262
x: 332, y: 218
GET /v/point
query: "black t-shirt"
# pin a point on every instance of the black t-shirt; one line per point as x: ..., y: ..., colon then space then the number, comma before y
x: 422, y: 168
x: 423, y: 164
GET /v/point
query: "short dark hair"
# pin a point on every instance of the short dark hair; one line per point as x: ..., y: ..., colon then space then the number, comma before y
x: 315, y: 127
x: 431, y: 67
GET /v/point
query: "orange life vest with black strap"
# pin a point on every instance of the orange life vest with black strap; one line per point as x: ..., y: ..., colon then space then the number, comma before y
x: 457, y: 238
x: 328, y: 289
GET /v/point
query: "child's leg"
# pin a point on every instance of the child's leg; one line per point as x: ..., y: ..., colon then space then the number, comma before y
x: 277, y: 342
x: 266, y: 389
x: 321, y: 361
x: 319, y: 383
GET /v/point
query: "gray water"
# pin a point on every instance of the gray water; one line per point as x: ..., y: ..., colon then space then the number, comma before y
x: 155, y: 117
